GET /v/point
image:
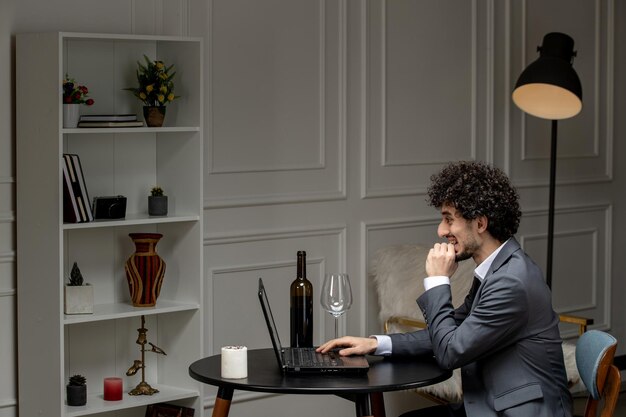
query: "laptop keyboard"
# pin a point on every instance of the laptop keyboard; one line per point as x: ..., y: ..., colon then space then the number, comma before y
x: 310, y: 358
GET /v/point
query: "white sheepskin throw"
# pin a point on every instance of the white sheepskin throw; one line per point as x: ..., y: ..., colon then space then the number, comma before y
x: 398, y: 272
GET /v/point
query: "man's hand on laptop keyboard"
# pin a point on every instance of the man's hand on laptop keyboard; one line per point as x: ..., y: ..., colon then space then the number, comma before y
x: 350, y: 345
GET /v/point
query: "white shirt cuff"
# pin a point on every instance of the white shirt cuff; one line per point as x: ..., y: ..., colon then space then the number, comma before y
x: 431, y: 282
x: 384, y: 345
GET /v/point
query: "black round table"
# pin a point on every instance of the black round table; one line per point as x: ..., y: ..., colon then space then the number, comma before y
x: 385, y: 374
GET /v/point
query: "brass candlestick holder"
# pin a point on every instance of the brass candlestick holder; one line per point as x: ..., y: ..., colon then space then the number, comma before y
x: 143, y: 388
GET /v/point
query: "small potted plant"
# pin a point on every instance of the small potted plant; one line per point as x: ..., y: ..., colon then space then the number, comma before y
x: 156, y: 89
x: 78, y: 296
x: 77, y: 390
x: 74, y: 95
x: 157, y: 202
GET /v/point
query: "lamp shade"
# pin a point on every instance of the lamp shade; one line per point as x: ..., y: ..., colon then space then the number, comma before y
x: 549, y: 87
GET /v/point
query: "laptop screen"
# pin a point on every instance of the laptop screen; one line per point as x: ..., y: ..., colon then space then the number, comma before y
x: 271, y: 325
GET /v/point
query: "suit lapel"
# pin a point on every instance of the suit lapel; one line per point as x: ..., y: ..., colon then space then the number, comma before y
x: 503, y: 256
x: 509, y: 248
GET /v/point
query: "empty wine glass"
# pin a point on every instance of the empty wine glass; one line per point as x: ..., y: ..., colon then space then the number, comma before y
x: 336, y: 296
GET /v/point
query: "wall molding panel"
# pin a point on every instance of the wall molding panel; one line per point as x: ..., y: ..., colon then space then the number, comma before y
x: 270, y: 159
x: 394, y: 160
x: 231, y: 280
x: 582, y: 268
x: 222, y: 284
x: 274, y: 234
x: 583, y: 236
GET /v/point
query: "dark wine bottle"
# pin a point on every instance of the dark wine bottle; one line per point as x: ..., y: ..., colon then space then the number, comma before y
x: 301, y: 312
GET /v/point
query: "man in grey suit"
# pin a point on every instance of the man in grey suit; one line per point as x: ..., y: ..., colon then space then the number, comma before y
x: 505, y: 336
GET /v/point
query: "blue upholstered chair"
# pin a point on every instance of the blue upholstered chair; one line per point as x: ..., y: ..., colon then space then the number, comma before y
x: 595, y: 351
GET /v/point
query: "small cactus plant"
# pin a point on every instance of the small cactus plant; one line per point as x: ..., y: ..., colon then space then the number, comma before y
x: 157, y: 202
x: 156, y: 191
x: 77, y: 380
x: 76, y: 278
x: 77, y: 391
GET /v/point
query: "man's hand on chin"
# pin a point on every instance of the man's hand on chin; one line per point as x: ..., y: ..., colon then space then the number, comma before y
x: 441, y: 260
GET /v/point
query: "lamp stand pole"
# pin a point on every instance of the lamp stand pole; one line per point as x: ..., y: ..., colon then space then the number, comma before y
x: 551, y: 205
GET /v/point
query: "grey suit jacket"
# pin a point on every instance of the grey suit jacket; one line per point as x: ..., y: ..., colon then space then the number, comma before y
x: 505, y: 339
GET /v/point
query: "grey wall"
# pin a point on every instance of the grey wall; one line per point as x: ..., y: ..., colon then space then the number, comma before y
x: 323, y: 123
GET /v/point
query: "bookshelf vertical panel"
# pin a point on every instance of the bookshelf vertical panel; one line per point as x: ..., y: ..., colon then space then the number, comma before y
x: 38, y: 223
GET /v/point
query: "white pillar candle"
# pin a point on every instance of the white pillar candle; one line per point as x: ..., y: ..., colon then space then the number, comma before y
x: 234, y: 362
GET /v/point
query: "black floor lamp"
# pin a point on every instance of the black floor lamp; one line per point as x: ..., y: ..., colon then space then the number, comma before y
x: 549, y: 88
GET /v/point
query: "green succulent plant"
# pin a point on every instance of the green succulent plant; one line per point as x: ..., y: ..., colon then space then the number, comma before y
x: 76, y: 278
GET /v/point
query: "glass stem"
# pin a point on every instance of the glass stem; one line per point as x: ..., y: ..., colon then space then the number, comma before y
x: 336, y: 327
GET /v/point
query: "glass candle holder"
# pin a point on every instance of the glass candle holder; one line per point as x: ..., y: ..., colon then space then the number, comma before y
x: 113, y: 388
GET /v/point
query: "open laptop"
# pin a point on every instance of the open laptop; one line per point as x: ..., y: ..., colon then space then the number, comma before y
x: 306, y: 360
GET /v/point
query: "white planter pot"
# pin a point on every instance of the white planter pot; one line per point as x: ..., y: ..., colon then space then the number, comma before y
x: 78, y: 299
x: 71, y: 114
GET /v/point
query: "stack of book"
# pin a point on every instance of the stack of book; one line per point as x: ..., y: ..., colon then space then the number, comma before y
x: 109, y: 120
x: 76, y: 207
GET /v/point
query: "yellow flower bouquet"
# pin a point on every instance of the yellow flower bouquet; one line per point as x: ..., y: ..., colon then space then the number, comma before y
x: 156, y: 87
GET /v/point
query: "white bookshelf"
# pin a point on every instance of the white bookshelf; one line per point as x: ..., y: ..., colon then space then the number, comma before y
x: 53, y: 346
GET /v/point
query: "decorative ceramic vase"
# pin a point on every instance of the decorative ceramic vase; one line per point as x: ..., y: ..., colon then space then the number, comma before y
x: 157, y: 205
x: 145, y: 270
x: 76, y: 395
x: 154, y: 115
x: 71, y: 114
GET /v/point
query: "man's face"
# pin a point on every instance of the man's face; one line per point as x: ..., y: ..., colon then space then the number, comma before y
x: 460, y: 232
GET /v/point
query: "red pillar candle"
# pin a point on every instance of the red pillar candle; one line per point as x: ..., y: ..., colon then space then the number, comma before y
x: 113, y: 389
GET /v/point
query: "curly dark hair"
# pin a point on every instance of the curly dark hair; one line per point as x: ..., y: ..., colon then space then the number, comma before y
x: 476, y: 189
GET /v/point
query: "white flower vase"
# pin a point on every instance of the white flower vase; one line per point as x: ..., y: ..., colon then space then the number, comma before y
x: 71, y: 114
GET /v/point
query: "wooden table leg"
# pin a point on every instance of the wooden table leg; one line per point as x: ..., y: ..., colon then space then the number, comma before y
x: 222, y: 402
x: 378, y: 404
x: 363, y: 406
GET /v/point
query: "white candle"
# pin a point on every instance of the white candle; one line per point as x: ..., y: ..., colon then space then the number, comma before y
x: 234, y: 362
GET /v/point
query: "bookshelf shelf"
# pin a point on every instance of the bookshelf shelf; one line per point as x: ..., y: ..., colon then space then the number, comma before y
x: 96, y: 403
x: 112, y: 130
x: 113, y: 311
x: 125, y: 161
x: 134, y: 219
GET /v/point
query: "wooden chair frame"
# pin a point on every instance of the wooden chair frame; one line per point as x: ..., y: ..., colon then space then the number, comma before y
x: 608, y: 382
